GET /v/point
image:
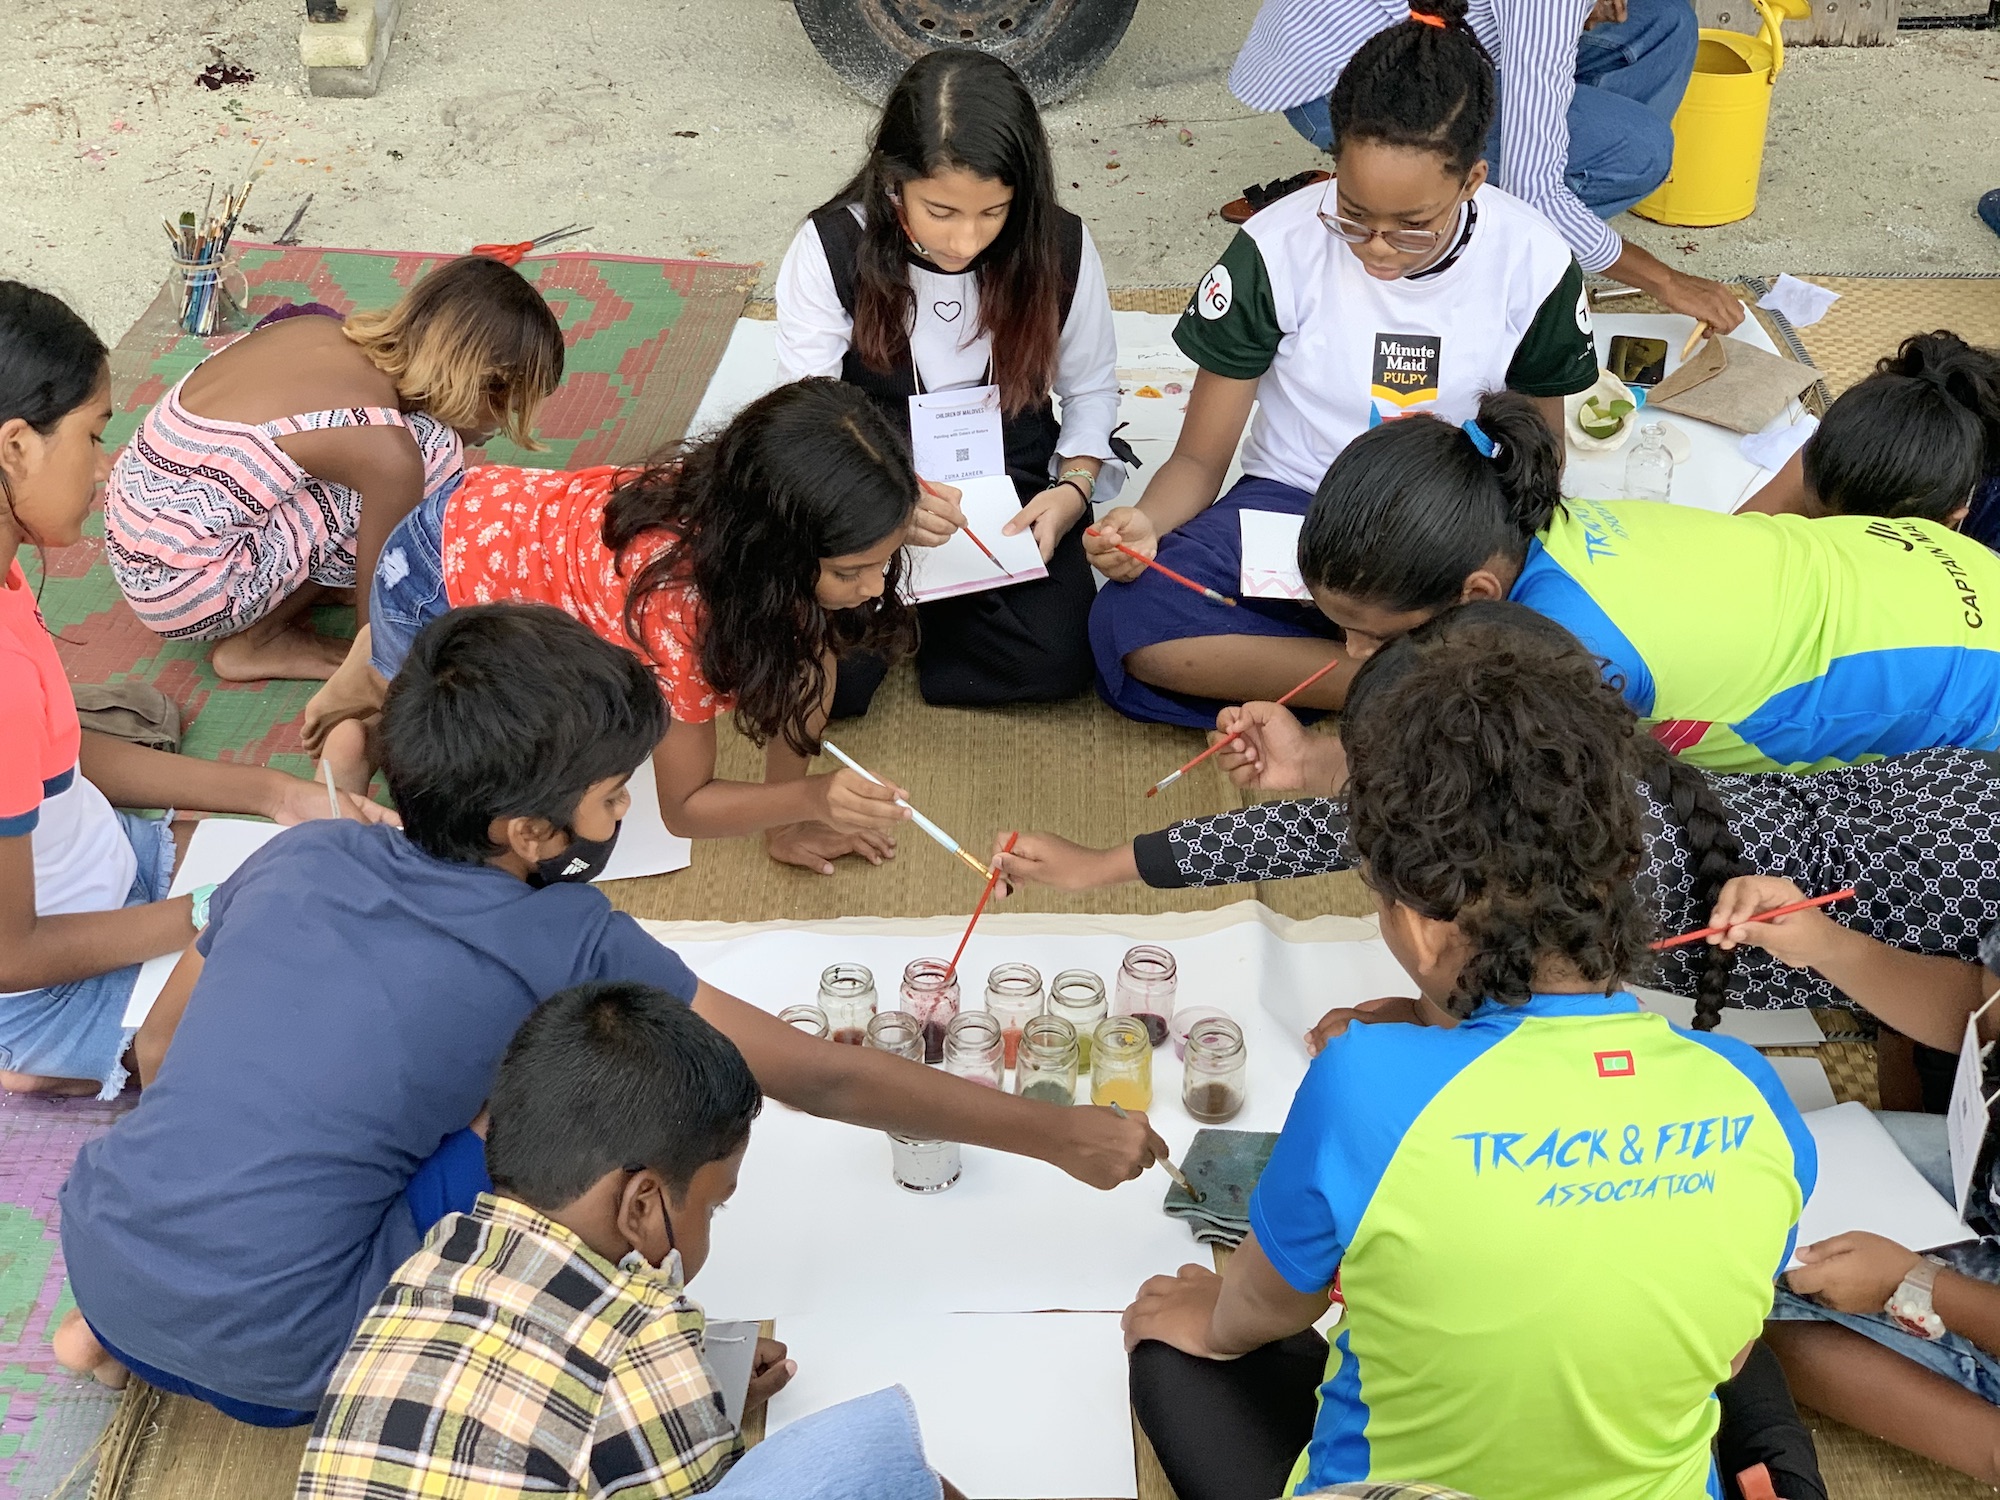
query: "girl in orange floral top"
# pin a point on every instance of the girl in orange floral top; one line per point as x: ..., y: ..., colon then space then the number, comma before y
x: 741, y: 568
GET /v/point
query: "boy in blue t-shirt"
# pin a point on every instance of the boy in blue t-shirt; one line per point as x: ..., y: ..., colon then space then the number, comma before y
x: 337, y: 1024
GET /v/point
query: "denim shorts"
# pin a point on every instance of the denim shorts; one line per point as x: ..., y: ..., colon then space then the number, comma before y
x: 868, y: 1448
x: 408, y: 591
x: 78, y: 1030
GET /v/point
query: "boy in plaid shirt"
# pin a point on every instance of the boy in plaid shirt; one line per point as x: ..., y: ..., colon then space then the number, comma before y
x: 543, y: 1342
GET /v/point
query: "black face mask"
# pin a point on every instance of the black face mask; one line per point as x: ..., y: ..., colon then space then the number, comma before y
x: 582, y: 862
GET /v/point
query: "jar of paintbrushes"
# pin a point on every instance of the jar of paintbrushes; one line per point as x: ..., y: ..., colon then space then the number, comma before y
x: 211, y: 294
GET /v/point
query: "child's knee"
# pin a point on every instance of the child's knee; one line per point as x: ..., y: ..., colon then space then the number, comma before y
x: 30, y: 1083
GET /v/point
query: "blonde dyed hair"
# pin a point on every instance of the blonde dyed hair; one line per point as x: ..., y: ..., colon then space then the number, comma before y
x: 472, y: 344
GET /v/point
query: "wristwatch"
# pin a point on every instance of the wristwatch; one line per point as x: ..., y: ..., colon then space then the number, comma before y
x: 1910, y: 1303
x: 201, y: 895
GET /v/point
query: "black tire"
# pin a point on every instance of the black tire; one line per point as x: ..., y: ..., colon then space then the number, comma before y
x: 1055, y: 45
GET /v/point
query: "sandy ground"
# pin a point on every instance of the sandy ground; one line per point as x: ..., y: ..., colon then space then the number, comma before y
x: 502, y: 118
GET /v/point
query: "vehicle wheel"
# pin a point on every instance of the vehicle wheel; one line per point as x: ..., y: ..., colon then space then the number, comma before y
x: 1055, y: 45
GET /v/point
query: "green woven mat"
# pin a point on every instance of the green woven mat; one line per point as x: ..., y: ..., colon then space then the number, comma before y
x: 644, y: 336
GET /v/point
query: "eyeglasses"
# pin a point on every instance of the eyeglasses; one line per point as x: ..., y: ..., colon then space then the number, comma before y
x: 1402, y: 241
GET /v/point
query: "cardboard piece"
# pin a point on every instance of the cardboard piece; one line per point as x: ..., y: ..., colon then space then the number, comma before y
x: 1733, y: 385
x: 730, y: 1352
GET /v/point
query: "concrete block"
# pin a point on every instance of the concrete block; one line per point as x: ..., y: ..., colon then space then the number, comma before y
x: 345, y: 81
x: 349, y: 43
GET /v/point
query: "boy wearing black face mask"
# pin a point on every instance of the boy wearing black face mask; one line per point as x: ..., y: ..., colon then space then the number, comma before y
x: 349, y: 1001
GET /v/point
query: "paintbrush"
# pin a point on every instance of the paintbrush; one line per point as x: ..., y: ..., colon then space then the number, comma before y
x: 973, y: 537
x: 1181, y: 578
x: 1179, y: 1177
x: 332, y: 796
x: 1166, y: 781
x: 984, y: 896
x: 1762, y: 916
x: 1700, y: 331
x: 916, y: 817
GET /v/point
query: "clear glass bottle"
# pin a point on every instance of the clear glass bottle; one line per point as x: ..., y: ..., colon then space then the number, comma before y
x: 807, y: 1018
x: 918, y: 1166
x: 1121, y: 1064
x: 973, y: 1048
x: 1077, y: 995
x: 1185, y: 1020
x: 1014, y: 997
x: 930, y: 993
x: 847, y: 995
x: 1045, y: 1067
x: 1214, y: 1072
x: 1649, y: 468
x: 1146, y: 983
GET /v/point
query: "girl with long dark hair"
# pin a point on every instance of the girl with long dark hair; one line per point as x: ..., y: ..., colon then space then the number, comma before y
x: 946, y: 264
x: 740, y: 567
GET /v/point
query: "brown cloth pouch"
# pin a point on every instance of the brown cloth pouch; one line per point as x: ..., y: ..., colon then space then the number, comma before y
x: 135, y: 711
x: 1732, y: 384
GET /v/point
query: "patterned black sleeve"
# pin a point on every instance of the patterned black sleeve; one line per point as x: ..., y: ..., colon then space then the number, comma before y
x: 1271, y: 841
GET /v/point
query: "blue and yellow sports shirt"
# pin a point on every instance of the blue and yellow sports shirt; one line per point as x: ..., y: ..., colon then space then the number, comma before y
x: 1757, y: 643
x: 1554, y: 1225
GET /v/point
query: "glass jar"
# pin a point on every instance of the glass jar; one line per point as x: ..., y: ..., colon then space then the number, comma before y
x: 807, y: 1018
x: 847, y: 995
x: 1185, y: 1019
x: 918, y: 1166
x: 1014, y: 997
x: 1045, y: 1067
x: 1077, y: 995
x: 973, y: 1048
x: 1146, y: 983
x: 1214, y: 1071
x: 1121, y: 1064
x: 930, y: 993
x: 211, y: 294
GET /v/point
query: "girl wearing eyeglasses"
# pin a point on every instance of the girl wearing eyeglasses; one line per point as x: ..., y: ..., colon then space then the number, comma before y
x: 1407, y: 283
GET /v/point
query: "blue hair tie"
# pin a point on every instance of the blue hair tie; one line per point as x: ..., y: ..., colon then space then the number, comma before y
x: 1486, y: 446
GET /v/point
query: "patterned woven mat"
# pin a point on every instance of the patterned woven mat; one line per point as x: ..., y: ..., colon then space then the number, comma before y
x: 644, y: 337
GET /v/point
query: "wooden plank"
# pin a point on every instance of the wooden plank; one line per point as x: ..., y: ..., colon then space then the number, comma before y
x: 1833, y: 23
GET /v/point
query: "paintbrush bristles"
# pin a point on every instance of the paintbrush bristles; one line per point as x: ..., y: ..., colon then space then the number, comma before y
x: 201, y: 246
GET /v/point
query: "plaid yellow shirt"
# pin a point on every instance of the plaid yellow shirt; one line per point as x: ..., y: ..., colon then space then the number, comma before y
x: 507, y: 1358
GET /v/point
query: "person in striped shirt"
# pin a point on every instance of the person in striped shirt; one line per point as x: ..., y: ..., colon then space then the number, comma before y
x: 1587, y: 91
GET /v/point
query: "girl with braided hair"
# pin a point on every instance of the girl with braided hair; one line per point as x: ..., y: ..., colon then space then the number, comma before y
x: 1915, y: 836
x: 1407, y: 283
x: 1548, y: 1263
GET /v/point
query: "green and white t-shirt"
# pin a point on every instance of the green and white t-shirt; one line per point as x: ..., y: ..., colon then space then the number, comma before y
x: 1335, y: 351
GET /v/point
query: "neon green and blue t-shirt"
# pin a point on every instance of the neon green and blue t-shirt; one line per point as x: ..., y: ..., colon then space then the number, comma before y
x: 1554, y: 1225
x: 1757, y: 643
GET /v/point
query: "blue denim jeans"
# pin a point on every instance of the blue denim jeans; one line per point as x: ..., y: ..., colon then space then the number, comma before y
x: 407, y: 592
x: 1629, y: 80
x: 865, y: 1449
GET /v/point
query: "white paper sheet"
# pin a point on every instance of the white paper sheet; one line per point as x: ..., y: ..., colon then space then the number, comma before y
x: 956, y: 435
x: 1805, y: 1080
x: 1803, y: 303
x: 1967, y: 1119
x: 644, y: 845
x: 218, y: 847
x: 1759, y: 1028
x: 1865, y: 1182
x: 1786, y: 433
x: 729, y: 1349
x: 959, y: 567
x: 1025, y: 1407
x: 1716, y: 475
x: 1270, y: 567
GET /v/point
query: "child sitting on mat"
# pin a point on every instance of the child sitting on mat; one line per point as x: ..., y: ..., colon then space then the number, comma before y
x: 1746, y: 643
x: 305, y: 1120
x: 741, y: 569
x: 83, y: 887
x: 1407, y: 283
x: 1918, y: 437
x: 619, y: 1121
x: 1552, y: 1218
x: 230, y: 515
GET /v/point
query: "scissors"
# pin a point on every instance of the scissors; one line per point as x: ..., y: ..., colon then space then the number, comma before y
x: 511, y: 255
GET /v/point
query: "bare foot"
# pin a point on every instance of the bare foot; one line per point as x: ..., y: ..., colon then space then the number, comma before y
x: 346, y: 751
x: 293, y: 654
x: 354, y: 691
x: 76, y: 1348
x: 58, y: 1088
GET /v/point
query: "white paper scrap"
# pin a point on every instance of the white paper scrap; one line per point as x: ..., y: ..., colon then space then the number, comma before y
x: 1865, y: 1182
x: 218, y: 847
x: 1802, y: 303
x: 1270, y: 567
x: 1967, y: 1120
x: 1759, y: 1028
x: 644, y: 845
x: 1028, y: 1406
x: 1785, y: 435
x: 1805, y: 1080
x: 959, y: 567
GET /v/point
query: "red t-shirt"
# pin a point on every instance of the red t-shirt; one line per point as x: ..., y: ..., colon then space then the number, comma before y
x: 537, y: 536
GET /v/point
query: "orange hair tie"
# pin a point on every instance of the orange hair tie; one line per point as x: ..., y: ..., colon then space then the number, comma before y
x: 1424, y: 18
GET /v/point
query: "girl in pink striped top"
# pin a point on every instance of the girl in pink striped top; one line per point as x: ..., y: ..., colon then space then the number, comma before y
x: 251, y: 491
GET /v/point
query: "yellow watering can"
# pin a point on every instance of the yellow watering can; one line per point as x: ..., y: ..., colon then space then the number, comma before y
x: 1719, y: 128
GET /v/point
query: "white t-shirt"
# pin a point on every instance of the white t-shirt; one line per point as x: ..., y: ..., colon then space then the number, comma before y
x: 815, y: 332
x: 1335, y: 351
x: 83, y: 861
